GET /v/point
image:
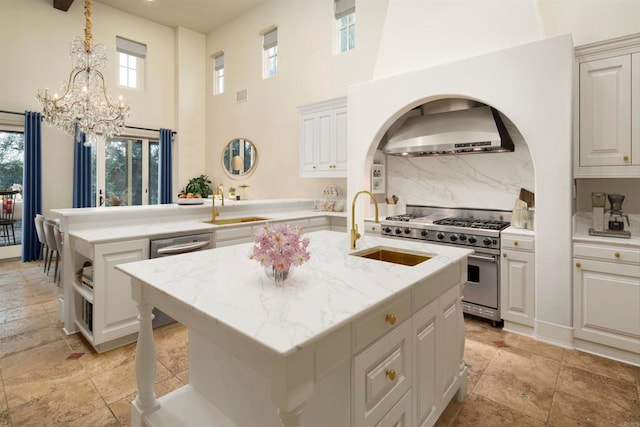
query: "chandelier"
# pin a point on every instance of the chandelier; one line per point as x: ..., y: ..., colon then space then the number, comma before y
x: 85, y: 100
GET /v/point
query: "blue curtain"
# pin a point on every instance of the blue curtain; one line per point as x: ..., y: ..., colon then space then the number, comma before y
x: 32, y: 185
x: 81, y: 172
x: 164, y: 177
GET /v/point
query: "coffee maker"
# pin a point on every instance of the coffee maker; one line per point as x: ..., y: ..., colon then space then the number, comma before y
x: 608, y: 222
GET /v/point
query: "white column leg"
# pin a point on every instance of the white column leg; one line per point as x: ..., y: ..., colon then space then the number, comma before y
x: 145, y: 401
x: 292, y: 418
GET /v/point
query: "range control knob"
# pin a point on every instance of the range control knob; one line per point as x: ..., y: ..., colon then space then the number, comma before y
x: 472, y: 239
x: 462, y: 237
x: 453, y: 237
x: 440, y: 236
x: 387, y: 230
x: 407, y: 231
x: 424, y: 233
x: 487, y: 242
x: 398, y: 231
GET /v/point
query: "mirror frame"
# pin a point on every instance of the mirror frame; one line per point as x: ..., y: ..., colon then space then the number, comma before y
x: 246, y: 173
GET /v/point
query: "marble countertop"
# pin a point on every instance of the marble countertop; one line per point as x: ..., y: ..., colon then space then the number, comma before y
x: 118, y: 232
x: 320, y: 296
x: 582, y: 221
x: 519, y: 231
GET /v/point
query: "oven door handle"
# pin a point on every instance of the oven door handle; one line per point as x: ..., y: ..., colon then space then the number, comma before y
x: 182, y: 248
x: 492, y: 259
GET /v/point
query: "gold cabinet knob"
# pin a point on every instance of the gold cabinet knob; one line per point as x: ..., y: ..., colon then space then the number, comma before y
x: 314, y: 166
x: 504, y: 255
x: 390, y: 318
x: 515, y: 243
x: 626, y: 158
x: 578, y: 265
x: 391, y: 374
x: 617, y: 255
x: 373, y: 228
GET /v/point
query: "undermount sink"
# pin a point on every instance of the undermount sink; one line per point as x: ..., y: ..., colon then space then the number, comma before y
x: 392, y: 255
x: 236, y: 220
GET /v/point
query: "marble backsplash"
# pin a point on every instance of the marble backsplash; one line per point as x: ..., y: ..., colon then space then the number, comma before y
x: 490, y: 181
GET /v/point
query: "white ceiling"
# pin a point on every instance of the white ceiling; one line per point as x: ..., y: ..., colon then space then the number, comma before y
x: 199, y: 15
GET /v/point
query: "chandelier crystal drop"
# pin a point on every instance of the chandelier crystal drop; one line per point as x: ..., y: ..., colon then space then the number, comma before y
x: 85, y: 99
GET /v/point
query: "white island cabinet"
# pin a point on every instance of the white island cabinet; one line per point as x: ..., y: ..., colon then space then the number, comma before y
x: 346, y: 341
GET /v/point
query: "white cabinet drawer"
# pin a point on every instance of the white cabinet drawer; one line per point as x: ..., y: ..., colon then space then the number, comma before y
x: 372, y: 227
x: 607, y: 253
x: 381, y: 320
x: 520, y: 243
x: 233, y: 233
x: 399, y: 415
x: 382, y: 375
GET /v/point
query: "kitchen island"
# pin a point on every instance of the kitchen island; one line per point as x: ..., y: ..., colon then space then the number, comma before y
x: 346, y: 341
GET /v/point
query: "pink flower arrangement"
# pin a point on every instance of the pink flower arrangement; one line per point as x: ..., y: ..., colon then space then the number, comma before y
x: 280, y: 246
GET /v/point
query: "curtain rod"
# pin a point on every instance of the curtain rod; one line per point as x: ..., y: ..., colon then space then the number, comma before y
x: 128, y: 127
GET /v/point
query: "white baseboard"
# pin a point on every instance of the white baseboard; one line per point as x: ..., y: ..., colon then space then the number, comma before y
x: 608, y: 352
x: 552, y: 333
x: 517, y: 328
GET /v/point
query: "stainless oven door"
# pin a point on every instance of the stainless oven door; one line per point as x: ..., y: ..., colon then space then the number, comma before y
x: 482, y: 280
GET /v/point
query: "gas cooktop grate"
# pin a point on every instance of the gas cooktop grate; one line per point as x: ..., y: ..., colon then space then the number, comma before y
x: 486, y: 224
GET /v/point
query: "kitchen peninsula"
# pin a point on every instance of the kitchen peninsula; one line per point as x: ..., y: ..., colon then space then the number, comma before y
x: 346, y: 341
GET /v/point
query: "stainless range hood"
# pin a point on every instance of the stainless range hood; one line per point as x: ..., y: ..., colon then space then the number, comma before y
x: 468, y: 131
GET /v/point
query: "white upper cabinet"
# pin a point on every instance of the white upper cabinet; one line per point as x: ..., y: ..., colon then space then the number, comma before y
x: 607, y: 133
x: 323, y: 139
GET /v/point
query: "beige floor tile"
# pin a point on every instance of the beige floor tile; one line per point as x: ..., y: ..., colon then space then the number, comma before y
x: 598, y: 388
x: 571, y: 410
x: 3, y: 399
x: 172, y: 348
x: 5, y: 420
x: 482, y: 332
x: 477, y: 356
x: 183, y: 376
x: 450, y: 414
x: 600, y: 365
x: 60, y: 406
x: 122, y: 407
x: 115, y: 384
x: 101, y: 417
x: 29, y: 340
x: 28, y: 324
x: 479, y: 411
x: 78, y: 343
x: 521, y: 381
x: 536, y: 347
x: 98, y: 363
x: 20, y: 313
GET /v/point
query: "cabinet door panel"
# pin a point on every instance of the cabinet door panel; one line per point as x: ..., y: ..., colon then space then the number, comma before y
x: 605, y: 112
x: 449, y: 356
x: 635, y: 108
x: 607, y: 304
x: 425, y: 324
x: 517, y: 287
x: 308, y: 137
x: 115, y: 312
x: 340, y: 147
x: 324, y: 140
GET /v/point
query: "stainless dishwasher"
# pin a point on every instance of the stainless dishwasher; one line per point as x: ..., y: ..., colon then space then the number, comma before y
x: 175, y: 246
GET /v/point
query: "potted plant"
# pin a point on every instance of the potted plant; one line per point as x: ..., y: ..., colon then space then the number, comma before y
x: 199, y: 185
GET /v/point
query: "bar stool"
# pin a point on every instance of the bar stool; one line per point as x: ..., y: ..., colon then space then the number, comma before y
x: 7, y: 211
x: 44, y: 248
x: 49, y: 233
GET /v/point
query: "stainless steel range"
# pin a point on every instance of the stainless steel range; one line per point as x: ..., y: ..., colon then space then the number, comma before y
x: 478, y: 229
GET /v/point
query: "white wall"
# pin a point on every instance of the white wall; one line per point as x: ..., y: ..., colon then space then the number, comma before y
x: 190, y: 96
x: 35, y: 40
x: 589, y: 21
x: 308, y: 71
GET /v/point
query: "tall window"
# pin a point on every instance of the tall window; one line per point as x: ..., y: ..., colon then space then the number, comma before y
x: 131, y: 58
x: 270, y: 53
x: 126, y: 172
x: 218, y: 73
x: 345, y: 14
x: 11, y: 167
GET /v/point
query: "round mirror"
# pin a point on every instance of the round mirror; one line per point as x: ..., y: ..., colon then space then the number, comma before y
x: 239, y: 158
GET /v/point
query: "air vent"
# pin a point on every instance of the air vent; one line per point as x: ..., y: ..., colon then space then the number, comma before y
x: 241, y: 95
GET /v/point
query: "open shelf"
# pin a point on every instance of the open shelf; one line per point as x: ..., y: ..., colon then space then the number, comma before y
x: 84, y: 331
x: 84, y: 292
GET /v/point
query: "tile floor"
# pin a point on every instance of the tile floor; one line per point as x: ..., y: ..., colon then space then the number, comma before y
x: 49, y: 379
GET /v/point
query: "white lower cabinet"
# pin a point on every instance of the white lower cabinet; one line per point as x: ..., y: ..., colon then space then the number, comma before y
x: 408, y: 377
x: 114, y: 311
x: 517, y: 283
x: 229, y: 236
x: 382, y: 375
x: 606, y: 299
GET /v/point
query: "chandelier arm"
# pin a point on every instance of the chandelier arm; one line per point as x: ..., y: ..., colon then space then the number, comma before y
x: 104, y: 89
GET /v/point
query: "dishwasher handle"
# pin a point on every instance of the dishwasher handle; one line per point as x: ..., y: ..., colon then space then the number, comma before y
x: 183, y: 248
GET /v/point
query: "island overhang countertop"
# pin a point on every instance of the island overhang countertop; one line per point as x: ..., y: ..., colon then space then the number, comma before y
x: 323, y: 294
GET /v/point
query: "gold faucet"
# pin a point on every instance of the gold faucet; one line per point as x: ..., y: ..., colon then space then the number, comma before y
x: 354, y: 227
x: 214, y: 212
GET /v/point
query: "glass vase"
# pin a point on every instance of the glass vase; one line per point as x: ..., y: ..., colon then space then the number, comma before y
x: 277, y: 276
